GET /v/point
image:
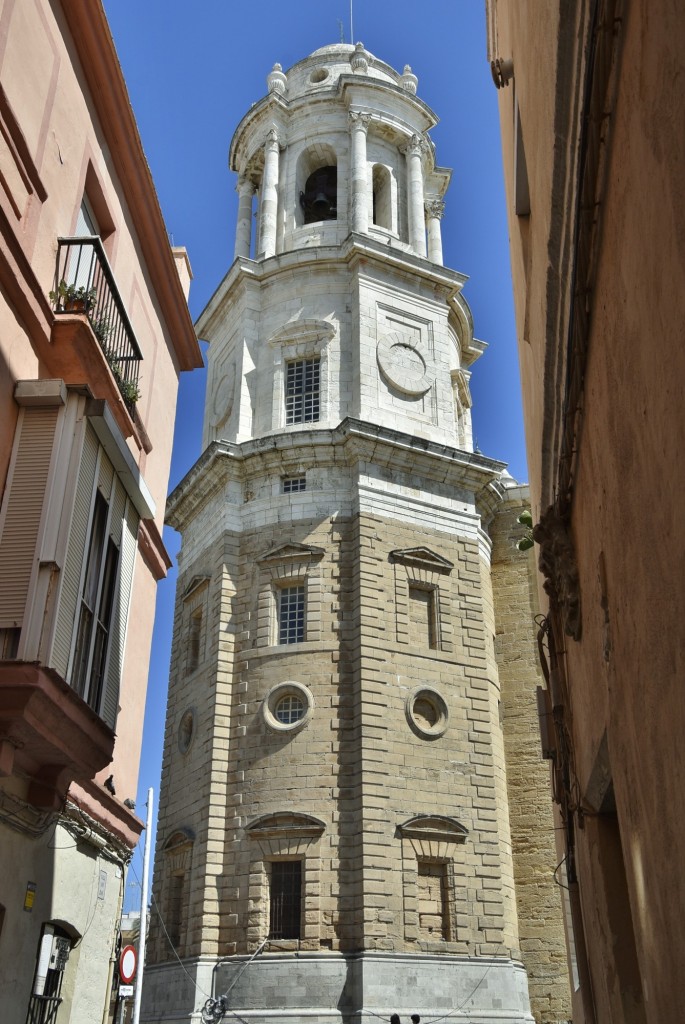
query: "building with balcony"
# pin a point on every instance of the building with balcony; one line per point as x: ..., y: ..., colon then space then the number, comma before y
x: 594, y: 150
x: 94, y: 332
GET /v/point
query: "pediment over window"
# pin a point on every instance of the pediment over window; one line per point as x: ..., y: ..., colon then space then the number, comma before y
x: 181, y: 837
x: 422, y: 558
x: 308, y: 330
x: 291, y: 553
x: 286, y: 825
x: 433, y: 827
x: 195, y: 584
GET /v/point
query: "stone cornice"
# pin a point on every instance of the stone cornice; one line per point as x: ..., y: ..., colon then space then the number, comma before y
x: 350, y: 443
x: 354, y: 248
x: 103, y: 74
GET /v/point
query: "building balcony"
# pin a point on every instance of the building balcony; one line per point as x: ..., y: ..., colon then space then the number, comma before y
x: 48, y: 733
x: 85, y: 284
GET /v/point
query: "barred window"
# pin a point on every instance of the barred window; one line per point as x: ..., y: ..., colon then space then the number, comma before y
x: 302, y: 391
x: 285, y: 900
x: 291, y: 608
x: 290, y: 484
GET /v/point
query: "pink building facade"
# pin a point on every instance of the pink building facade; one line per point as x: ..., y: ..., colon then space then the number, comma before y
x: 94, y: 332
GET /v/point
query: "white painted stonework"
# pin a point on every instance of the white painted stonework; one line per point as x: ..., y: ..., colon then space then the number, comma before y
x: 374, y: 507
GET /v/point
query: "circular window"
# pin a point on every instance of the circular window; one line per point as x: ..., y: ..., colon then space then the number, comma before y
x: 287, y: 706
x: 186, y: 730
x: 427, y: 713
x: 290, y: 709
x: 319, y: 75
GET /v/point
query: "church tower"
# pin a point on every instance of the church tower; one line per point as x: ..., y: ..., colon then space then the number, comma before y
x: 334, y: 837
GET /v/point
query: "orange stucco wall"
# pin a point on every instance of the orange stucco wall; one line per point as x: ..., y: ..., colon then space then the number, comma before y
x: 625, y: 673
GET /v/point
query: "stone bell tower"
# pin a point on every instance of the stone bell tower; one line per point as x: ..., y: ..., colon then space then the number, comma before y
x: 334, y: 834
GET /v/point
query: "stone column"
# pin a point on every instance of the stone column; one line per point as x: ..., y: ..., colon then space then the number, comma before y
x: 413, y: 151
x: 268, y: 208
x: 359, y: 124
x: 243, y: 231
x: 434, y: 211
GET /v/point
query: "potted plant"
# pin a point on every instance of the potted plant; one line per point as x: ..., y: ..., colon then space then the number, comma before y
x: 70, y: 298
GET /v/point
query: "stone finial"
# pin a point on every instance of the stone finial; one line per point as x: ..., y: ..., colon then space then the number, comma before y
x: 360, y: 59
x: 276, y: 80
x: 409, y: 80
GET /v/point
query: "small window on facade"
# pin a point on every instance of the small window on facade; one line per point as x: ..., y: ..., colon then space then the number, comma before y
x: 302, y: 391
x: 290, y: 709
x: 285, y: 902
x: 97, y: 602
x: 291, y: 484
x: 319, y: 201
x: 291, y: 611
x: 422, y: 620
x: 433, y: 900
x: 194, y: 638
x: 175, y: 908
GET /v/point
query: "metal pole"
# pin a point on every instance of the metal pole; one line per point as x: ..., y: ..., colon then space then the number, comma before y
x: 351, y: 25
x: 142, y: 940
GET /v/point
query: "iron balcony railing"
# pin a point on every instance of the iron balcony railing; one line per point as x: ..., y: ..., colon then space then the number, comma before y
x: 84, y: 283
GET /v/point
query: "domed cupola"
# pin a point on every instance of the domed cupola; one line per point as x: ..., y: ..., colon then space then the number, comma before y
x: 338, y: 145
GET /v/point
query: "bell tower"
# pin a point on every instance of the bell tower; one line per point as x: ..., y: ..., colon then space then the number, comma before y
x: 334, y: 836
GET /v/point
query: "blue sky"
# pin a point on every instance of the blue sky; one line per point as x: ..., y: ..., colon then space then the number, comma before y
x: 192, y: 72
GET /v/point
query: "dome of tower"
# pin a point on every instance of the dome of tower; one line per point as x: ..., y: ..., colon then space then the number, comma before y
x: 322, y: 68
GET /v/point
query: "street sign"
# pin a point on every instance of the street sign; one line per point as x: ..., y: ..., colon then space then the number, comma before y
x: 127, y: 964
x: 125, y: 991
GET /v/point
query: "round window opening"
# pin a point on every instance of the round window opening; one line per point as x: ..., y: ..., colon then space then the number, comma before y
x: 287, y: 706
x: 318, y: 75
x: 290, y: 709
x: 427, y: 713
x: 186, y: 730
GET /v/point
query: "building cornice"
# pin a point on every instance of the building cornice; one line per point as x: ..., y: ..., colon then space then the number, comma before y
x: 351, y: 251
x: 351, y: 443
x: 88, y: 26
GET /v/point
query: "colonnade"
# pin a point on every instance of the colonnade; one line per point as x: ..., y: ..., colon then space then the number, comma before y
x: 423, y: 216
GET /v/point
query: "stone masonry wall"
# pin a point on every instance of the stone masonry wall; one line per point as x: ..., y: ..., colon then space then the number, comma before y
x: 538, y: 896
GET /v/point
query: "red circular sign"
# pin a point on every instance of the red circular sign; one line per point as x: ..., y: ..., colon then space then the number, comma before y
x: 127, y: 964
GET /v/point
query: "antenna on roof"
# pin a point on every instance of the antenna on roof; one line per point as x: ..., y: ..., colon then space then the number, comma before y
x: 342, y: 31
x: 351, y: 25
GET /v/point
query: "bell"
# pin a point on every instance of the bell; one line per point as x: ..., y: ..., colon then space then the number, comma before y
x: 321, y: 205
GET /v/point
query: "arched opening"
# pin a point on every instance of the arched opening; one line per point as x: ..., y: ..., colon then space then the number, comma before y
x: 319, y: 198
x: 382, y: 196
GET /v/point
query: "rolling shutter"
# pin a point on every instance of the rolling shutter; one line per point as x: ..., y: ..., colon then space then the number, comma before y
x: 25, y: 497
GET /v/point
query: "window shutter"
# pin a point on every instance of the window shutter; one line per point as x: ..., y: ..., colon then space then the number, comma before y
x: 73, y: 564
x: 129, y: 545
x: 25, y: 496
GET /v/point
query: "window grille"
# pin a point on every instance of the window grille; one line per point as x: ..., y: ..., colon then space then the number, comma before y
x: 291, y: 609
x: 302, y: 391
x: 291, y: 484
x: 286, y: 899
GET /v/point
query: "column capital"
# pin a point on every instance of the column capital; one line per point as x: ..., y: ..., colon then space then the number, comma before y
x: 434, y: 208
x: 359, y: 120
x: 416, y: 146
x: 245, y: 185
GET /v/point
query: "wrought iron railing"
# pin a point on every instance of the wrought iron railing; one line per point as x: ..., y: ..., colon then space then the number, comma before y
x: 84, y: 283
x: 43, y: 1009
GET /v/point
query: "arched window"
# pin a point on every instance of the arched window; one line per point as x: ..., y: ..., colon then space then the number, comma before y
x: 382, y: 196
x: 319, y: 200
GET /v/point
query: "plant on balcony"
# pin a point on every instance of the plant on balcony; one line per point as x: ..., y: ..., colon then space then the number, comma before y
x: 128, y: 389
x: 70, y: 298
x: 526, y: 542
